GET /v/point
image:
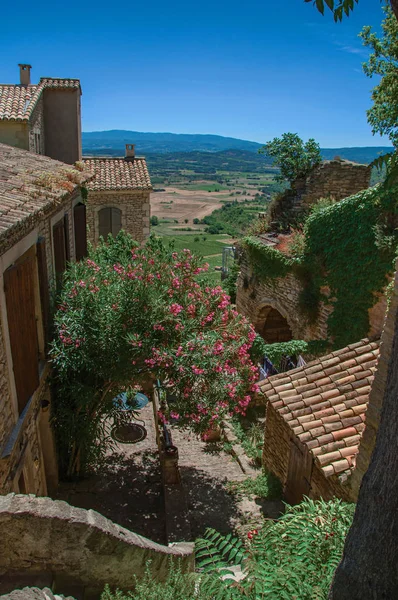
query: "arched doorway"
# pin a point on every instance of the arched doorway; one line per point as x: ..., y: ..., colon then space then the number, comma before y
x: 272, y: 326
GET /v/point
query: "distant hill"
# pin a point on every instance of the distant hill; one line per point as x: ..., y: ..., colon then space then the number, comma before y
x: 182, y: 145
x: 163, y: 142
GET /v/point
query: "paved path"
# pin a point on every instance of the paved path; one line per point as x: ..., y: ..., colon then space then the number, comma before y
x: 205, y: 469
x: 128, y: 490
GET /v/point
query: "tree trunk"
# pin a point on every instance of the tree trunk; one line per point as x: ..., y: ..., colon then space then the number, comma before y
x: 394, y: 6
x: 369, y: 568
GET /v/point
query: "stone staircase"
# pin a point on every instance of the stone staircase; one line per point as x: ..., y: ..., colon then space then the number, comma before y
x: 49, y: 544
x: 34, y: 593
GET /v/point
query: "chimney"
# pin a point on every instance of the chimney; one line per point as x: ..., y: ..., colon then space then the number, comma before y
x: 130, y: 152
x: 24, y: 74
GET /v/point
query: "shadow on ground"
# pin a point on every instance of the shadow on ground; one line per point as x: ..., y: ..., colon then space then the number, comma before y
x: 127, y: 490
x: 209, y: 503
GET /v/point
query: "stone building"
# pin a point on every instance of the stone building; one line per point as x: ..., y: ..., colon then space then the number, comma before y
x: 335, y: 179
x: 315, y: 419
x: 44, y: 118
x: 41, y: 228
x: 118, y: 196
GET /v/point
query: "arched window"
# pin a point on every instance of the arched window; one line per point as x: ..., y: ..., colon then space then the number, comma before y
x: 110, y: 221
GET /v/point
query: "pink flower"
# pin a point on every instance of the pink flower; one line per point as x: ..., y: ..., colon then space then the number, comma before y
x: 175, y: 309
x: 197, y: 370
x: 174, y: 415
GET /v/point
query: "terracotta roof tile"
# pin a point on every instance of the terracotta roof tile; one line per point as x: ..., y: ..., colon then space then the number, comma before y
x: 325, y: 403
x: 17, y: 102
x: 118, y: 174
x: 31, y: 184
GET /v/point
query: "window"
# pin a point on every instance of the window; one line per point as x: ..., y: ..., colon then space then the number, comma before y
x: 110, y: 221
x: 19, y: 289
x: 79, y: 220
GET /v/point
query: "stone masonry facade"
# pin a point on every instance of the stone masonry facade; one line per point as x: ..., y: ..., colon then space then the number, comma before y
x: 29, y: 214
x: 134, y: 206
x: 23, y: 436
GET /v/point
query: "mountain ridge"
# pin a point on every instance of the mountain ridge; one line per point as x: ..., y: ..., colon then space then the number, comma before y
x: 112, y: 142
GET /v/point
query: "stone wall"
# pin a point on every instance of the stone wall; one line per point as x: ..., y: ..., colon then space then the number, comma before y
x: 135, y: 207
x: 276, y: 457
x: 41, y: 536
x: 254, y: 294
x: 36, y: 126
x: 336, y: 179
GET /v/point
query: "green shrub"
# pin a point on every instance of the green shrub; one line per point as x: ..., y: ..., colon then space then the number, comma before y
x: 178, y: 586
x: 265, y: 486
x: 154, y: 221
x: 292, y: 558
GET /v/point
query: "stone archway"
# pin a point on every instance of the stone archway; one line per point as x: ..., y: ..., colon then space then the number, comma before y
x: 272, y: 325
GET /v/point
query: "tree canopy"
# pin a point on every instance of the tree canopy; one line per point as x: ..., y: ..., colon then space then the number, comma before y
x: 128, y: 314
x: 383, y: 116
x: 341, y: 8
x: 294, y: 157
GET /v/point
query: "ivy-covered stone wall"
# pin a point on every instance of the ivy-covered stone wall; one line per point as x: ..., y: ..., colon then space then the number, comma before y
x: 335, y: 287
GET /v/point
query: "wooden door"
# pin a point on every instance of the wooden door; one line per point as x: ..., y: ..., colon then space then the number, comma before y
x: 298, y: 482
x: 21, y: 316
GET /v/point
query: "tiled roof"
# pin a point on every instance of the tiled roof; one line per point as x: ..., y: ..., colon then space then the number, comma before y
x: 118, y: 174
x: 324, y: 403
x: 31, y: 183
x: 17, y: 102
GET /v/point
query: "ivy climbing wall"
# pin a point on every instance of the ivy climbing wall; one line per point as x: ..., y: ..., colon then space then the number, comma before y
x: 334, y: 289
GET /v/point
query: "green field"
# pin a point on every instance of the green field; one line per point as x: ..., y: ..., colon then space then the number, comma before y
x: 210, y: 249
x: 204, y: 187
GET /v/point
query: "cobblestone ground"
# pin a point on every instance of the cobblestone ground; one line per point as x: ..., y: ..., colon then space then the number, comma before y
x: 205, y: 470
x: 128, y: 490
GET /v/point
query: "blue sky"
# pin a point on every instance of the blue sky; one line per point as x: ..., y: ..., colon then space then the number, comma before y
x: 250, y: 69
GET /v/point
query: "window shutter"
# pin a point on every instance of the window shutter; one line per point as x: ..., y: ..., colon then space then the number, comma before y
x: 59, y: 250
x: 44, y: 288
x: 20, y: 302
x: 79, y: 219
x: 105, y: 226
x: 116, y: 221
x: 67, y: 240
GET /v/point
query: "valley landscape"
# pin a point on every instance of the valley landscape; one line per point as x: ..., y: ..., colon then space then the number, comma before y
x: 224, y: 181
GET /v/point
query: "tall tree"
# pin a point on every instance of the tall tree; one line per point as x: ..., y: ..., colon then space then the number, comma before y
x: 294, y: 157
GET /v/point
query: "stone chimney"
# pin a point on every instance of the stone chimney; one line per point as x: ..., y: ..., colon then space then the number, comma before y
x: 24, y: 74
x: 130, y: 152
